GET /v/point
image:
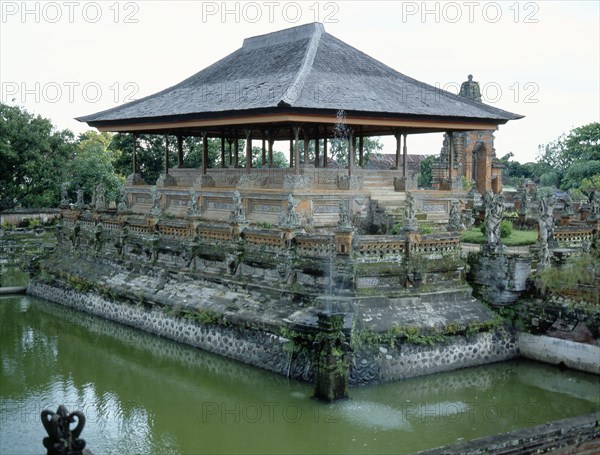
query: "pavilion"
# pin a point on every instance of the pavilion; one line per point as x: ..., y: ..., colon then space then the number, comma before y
x: 292, y: 85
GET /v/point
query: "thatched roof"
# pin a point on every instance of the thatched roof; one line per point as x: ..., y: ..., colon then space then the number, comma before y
x: 301, y: 69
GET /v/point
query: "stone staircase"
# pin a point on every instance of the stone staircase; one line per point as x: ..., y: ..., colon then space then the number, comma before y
x: 386, y: 202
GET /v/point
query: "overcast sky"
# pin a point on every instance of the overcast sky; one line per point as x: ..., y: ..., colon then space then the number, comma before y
x: 540, y: 59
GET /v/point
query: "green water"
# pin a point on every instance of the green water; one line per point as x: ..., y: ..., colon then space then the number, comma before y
x: 146, y: 395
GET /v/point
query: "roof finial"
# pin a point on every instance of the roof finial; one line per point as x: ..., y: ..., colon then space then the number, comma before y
x: 470, y: 89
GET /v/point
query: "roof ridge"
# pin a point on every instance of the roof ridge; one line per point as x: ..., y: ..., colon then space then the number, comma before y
x: 283, y: 36
x: 294, y: 90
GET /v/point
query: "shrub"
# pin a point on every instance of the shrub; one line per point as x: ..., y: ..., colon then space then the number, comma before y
x: 506, y: 229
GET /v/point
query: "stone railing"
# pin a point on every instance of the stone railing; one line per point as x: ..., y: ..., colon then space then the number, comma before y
x: 314, y: 245
x: 437, y: 243
x: 573, y: 235
x: 264, y: 237
x: 369, y: 245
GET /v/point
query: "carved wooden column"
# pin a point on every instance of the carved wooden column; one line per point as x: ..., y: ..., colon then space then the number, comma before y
x: 317, y: 147
x: 166, y: 154
x: 296, y: 150
x: 306, y: 145
x: 236, y: 151
x: 264, y: 149
x: 361, y: 149
x: 270, y: 142
x: 404, y: 157
x: 133, y: 154
x: 325, y: 147
x: 180, y: 151
x: 204, y: 152
x: 350, y: 152
x: 222, y: 151
x: 248, y: 149
x: 398, y: 137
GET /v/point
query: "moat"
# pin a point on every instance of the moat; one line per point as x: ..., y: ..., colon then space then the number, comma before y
x: 145, y: 394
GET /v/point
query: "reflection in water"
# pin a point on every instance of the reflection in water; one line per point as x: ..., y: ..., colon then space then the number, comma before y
x: 144, y: 394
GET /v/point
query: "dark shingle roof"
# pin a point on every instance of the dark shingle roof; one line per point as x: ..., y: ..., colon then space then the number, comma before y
x: 305, y: 68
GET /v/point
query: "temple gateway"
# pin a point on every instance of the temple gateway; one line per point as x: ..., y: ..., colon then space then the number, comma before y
x: 304, y: 86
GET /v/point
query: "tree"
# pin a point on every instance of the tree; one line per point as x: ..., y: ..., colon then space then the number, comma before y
x: 33, y: 156
x: 571, y: 157
x: 425, y: 176
x: 92, y: 164
x: 515, y: 172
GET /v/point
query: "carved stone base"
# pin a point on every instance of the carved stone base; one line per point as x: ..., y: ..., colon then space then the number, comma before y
x: 251, y: 181
x: 405, y: 184
x: 297, y: 182
x: 204, y: 181
x: 166, y: 180
x: 350, y: 182
x: 135, y: 179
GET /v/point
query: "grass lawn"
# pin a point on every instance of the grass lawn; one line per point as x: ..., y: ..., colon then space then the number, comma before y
x: 517, y: 238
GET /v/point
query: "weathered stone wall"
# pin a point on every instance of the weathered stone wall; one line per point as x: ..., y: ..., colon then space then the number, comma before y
x: 385, y: 364
x: 370, y: 364
x: 262, y: 349
x: 579, y: 356
x: 567, y: 436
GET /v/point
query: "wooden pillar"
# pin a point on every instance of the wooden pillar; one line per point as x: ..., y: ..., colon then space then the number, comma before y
x: 404, y: 157
x: 292, y: 148
x: 325, y: 147
x: 248, y: 149
x: 296, y: 150
x: 361, y: 149
x: 270, y: 142
x: 306, y: 145
x: 180, y: 151
x: 317, y: 147
x: 166, y: 154
x: 398, y: 137
x: 350, y: 153
x: 450, y: 157
x: 222, y: 150
x: 133, y: 154
x: 230, y: 143
x: 204, y: 152
x: 236, y: 151
x: 264, y: 150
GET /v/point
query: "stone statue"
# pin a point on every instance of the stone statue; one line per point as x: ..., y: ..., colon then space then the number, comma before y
x: 344, y: 219
x: 291, y: 218
x: 237, y: 216
x: 193, y: 209
x: 64, y: 194
x: 470, y: 89
x: 79, y: 203
x: 494, y: 208
x: 594, y: 200
x: 546, y: 229
x: 568, y: 205
x: 524, y: 199
x: 98, y: 240
x: 454, y: 222
x: 122, y: 202
x: 409, y: 213
x: 75, y: 236
x: 61, y: 439
x: 120, y: 243
x: 155, y: 197
x: 100, y: 197
x: 93, y: 201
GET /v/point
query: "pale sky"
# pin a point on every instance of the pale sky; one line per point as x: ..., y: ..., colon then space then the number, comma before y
x: 64, y: 59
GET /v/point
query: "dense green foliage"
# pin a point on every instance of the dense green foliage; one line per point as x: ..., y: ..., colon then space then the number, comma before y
x: 33, y: 155
x: 425, y: 176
